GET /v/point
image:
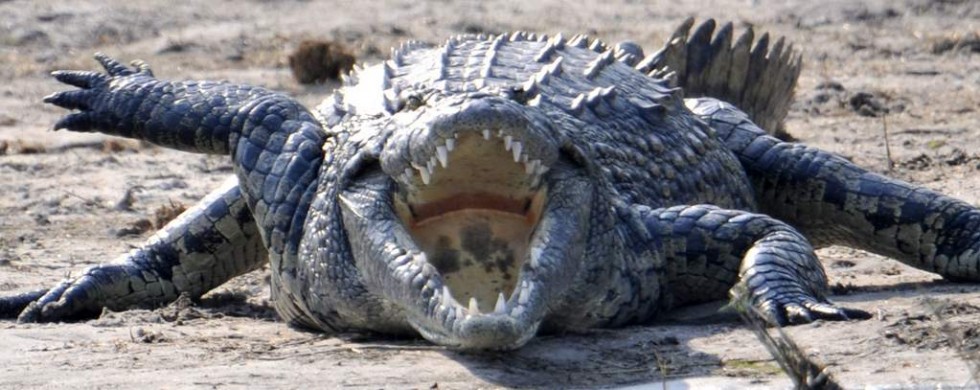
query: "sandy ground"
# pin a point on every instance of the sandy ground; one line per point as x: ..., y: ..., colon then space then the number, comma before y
x: 58, y: 214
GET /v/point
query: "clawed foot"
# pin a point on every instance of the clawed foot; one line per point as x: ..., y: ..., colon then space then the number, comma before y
x: 12, y: 306
x: 807, y: 310
x: 781, y: 308
x: 74, y: 298
x: 66, y: 301
x: 95, y: 94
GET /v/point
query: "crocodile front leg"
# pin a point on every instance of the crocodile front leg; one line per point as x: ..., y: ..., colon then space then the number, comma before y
x: 204, y: 247
x: 834, y: 201
x: 275, y: 143
x: 190, y: 116
x: 708, y: 250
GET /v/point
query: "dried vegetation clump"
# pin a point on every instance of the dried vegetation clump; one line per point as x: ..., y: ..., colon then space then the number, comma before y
x: 319, y: 61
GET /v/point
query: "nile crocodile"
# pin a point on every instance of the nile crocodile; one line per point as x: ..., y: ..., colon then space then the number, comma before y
x: 482, y: 191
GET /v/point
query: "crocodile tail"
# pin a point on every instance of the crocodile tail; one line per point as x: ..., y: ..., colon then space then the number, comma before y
x: 755, y: 76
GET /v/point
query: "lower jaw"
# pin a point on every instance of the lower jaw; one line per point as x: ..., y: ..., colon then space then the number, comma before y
x: 478, y: 252
x: 496, y: 333
x: 394, y: 265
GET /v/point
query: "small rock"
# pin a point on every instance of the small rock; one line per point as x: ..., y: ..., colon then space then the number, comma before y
x: 831, y: 84
x: 135, y: 228
x: 31, y: 148
x: 32, y: 37
x: 126, y: 203
x: 6, y: 120
x: 54, y: 16
x: 175, y: 47
x: 41, y: 219
x: 842, y: 264
x: 866, y: 104
x: 967, y: 43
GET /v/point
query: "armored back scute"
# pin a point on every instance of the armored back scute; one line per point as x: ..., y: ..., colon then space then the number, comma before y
x: 755, y: 76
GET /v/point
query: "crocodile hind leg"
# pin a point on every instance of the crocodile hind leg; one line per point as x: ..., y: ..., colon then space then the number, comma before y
x: 833, y: 201
x: 196, y: 252
x: 708, y: 250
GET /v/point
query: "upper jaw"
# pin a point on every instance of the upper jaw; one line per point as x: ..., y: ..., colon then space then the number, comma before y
x: 412, y: 156
x: 394, y: 267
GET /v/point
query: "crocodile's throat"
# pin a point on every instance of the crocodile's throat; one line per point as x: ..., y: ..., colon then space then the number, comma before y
x: 475, y: 245
x: 474, y: 214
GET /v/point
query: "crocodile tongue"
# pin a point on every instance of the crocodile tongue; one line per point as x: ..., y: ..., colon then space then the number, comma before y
x: 393, y: 265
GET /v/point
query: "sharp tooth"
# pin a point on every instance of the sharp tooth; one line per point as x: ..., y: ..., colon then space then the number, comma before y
x: 536, y: 257
x: 442, y: 153
x: 424, y: 172
x: 451, y: 143
x: 431, y: 165
x: 508, y: 142
x: 402, y: 260
x: 501, y: 303
x: 542, y: 169
x: 524, y: 295
x: 474, y: 308
x: 531, y: 166
x: 518, y: 147
x: 486, y: 134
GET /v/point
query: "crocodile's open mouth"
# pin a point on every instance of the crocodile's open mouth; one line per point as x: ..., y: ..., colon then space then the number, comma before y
x: 473, y: 213
x: 475, y: 236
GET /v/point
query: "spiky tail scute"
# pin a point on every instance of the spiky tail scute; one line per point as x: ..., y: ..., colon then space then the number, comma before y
x: 758, y: 79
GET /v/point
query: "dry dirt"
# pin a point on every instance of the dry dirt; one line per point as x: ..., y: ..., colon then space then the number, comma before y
x: 908, y: 66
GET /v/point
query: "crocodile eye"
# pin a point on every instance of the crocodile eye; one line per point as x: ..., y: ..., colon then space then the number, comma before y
x: 413, y: 102
x: 518, y: 95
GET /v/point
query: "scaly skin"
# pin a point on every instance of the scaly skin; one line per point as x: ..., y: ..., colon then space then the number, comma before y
x: 398, y: 195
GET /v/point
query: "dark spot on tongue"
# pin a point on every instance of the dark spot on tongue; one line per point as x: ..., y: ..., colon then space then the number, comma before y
x: 445, y: 258
x: 490, y: 252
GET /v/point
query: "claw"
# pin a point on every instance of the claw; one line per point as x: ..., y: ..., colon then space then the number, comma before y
x: 113, y: 67
x: 77, y: 99
x: 856, y: 314
x: 797, y: 314
x: 35, y: 312
x: 828, y: 311
x: 825, y: 311
x: 82, y: 121
x: 806, y: 310
x: 142, y: 67
x: 772, y: 314
x: 79, y: 78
